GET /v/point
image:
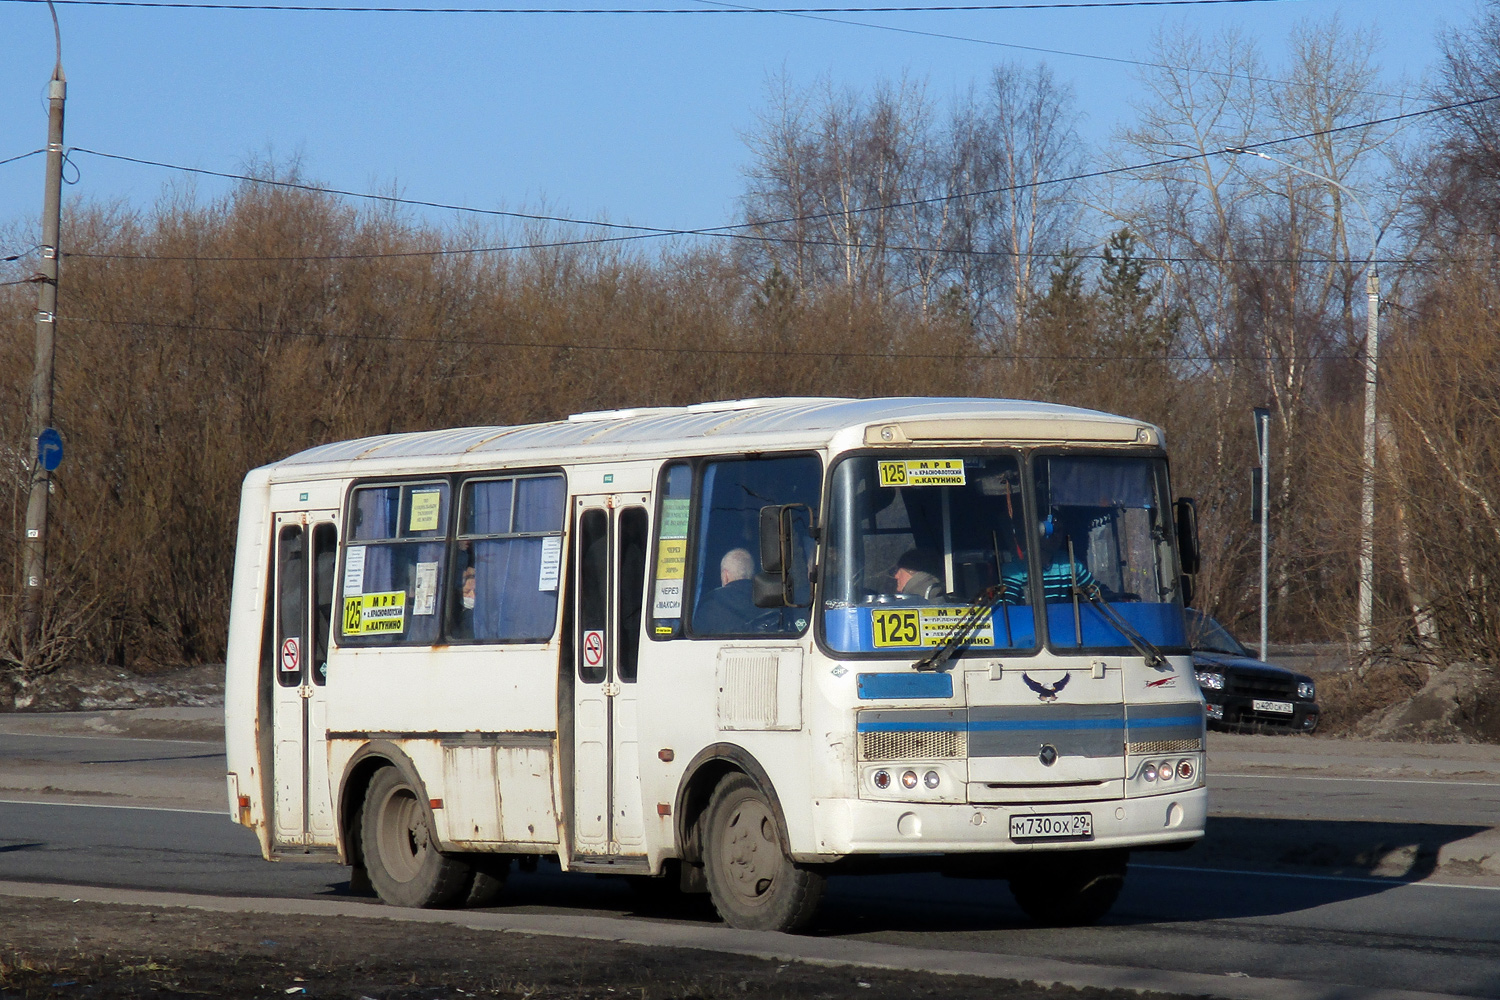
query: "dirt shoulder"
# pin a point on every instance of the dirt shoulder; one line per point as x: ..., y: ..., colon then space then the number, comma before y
x: 63, y: 949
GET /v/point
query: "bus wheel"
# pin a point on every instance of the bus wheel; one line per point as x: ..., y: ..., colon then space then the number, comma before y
x: 754, y: 885
x: 401, y: 851
x: 1070, y: 890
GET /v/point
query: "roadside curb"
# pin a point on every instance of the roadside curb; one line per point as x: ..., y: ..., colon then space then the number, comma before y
x: 752, y: 944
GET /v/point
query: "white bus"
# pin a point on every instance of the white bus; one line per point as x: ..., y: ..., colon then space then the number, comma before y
x: 739, y: 646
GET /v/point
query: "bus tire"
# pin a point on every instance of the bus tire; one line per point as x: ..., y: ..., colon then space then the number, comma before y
x: 401, y: 852
x: 753, y: 883
x: 1070, y: 890
x: 488, y: 880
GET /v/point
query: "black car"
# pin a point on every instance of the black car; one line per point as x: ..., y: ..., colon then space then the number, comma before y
x: 1243, y: 692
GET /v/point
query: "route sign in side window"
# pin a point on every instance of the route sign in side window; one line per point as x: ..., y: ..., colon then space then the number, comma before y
x: 508, y: 560
x: 727, y: 536
x: 393, y: 565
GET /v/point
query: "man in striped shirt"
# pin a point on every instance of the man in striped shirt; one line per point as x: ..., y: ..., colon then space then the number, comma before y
x: 1059, y: 573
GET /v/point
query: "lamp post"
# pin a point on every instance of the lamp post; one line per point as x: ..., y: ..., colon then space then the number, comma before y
x: 1372, y: 357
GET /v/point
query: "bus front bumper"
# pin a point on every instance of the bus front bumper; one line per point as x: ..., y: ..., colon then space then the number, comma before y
x: 844, y: 827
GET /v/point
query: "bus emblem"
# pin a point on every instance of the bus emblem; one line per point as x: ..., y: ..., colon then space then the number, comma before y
x: 1043, y: 691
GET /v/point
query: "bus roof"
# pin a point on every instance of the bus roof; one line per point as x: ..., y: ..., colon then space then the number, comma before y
x: 726, y: 426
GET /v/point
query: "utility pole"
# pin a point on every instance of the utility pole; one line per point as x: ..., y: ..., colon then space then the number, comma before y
x: 34, y: 545
x: 1262, y: 485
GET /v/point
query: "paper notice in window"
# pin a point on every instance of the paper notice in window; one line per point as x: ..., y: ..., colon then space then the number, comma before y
x: 424, y: 600
x: 354, y: 571
x: 551, y: 562
x: 426, y: 507
x: 671, y: 564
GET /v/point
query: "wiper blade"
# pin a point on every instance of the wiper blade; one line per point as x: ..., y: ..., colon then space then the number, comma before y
x: 1154, y: 657
x: 982, y: 604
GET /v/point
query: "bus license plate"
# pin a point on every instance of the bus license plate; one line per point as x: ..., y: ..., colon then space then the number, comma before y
x: 1284, y: 707
x: 1060, y: 825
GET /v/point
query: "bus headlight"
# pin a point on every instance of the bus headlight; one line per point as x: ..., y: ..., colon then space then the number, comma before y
x: 1210, y: 682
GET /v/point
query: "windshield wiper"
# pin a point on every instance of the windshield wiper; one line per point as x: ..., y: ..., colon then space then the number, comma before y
x: 979, y: 607
x: 1154, y: 657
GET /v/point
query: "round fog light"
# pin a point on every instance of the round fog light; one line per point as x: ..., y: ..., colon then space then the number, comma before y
x: 1185, y: 769
x: 1149, y: 772
x: 882, y: 779
x: 909, y: 779
x: 931, y: 779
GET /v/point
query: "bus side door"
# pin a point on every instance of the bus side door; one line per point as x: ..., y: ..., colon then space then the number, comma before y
x: 306, y: 554
x: 609, y: 593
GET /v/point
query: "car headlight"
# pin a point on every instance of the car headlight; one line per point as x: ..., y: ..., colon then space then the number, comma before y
x: 1210, y: 682
x: 1306, y: 691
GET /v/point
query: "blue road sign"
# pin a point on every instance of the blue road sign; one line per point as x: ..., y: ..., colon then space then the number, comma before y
x: 49, y: 450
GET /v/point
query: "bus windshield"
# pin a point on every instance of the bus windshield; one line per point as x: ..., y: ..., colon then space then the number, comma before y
x: 912, y: 542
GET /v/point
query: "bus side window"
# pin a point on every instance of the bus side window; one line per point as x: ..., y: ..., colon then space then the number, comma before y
x: 504, y: 586
x: 727, y: 536
x: 670, y: 577
x: 393, y: 564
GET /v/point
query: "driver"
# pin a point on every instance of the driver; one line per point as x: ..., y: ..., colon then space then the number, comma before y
x: 916, y: 575
x: 731, y: 607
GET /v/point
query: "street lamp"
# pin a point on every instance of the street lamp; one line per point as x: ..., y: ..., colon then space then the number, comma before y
x: 1372, y: 356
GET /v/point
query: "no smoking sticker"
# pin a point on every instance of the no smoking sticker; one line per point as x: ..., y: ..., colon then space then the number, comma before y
x: 291, y: 656
x: 593, y: 648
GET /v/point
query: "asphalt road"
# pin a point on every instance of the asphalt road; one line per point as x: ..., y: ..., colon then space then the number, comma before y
x: 1281, y: 889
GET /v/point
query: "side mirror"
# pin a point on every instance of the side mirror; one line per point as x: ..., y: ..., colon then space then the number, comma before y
x: 775, y: 585
x: 1186, y: 514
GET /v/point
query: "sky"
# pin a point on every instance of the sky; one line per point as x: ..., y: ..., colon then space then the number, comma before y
x: 630, y: 118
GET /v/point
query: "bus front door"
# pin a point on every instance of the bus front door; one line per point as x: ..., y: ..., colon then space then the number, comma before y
x: 306, y: 551
x: 610, y: 563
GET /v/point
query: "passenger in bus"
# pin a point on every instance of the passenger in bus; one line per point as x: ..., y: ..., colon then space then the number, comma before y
x: 731, y: 607
x: 916, y: 574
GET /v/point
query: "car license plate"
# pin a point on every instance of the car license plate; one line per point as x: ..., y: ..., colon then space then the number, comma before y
x: 1284, y: 707
x: 1060, y: 825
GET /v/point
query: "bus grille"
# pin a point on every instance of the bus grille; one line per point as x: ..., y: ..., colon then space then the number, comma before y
x: 1165, y: 746
x: 913, y: 746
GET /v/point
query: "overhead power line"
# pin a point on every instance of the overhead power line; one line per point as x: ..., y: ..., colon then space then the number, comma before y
x: 337, y: 9
x: 733, y: 230
x: 701, y: 350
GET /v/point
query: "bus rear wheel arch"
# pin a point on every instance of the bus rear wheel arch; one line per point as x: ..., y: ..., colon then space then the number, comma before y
x: 754, y: 883
x: 401, y: 854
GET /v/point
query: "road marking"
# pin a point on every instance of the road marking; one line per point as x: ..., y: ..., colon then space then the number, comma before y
x: 107, y: 805
x: 1394, y: 883
x: 1390, y: 781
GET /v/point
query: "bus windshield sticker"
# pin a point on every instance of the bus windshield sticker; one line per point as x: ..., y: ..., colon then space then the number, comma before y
x: 375, y: 614
x: 426, y: 505
x: 424, y: 599
x: 551, y: 562
x: 913, y: 627
x: 923, y: 472
x: 354, y: 571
